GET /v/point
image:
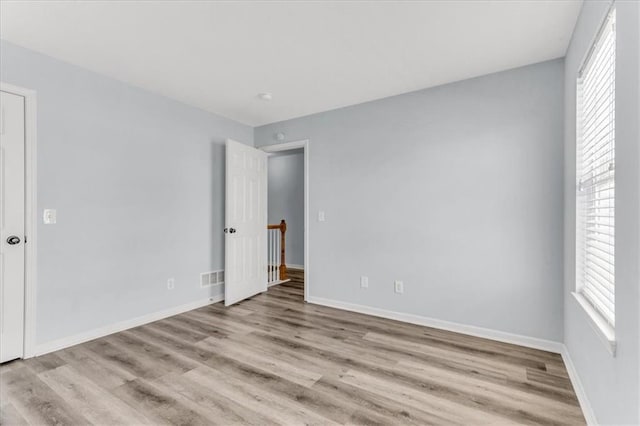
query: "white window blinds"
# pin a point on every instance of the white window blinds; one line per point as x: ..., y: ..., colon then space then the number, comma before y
x: 596, y: 173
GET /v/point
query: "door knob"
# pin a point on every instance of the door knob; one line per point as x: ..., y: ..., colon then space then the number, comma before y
x: 13, y: 240
x: 229, y: 230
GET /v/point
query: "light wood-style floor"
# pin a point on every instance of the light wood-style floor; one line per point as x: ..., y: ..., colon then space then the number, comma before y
x: 275, y: 360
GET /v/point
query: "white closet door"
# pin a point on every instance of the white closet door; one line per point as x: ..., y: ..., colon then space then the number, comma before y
x: 12, y: 199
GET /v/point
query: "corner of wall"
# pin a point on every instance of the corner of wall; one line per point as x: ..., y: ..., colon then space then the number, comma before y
x: 578, y: 388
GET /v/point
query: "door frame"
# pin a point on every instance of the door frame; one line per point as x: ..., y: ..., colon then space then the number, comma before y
x: 286, y: 146
x: 31, y: 214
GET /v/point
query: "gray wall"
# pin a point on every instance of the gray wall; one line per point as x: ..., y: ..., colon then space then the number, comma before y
x: 456, y: 190
x: 611, y: 383
x: 138, y: 182
x: 286, y: 200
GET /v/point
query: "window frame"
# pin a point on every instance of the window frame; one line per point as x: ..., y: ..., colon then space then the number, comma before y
x: 603, y: 324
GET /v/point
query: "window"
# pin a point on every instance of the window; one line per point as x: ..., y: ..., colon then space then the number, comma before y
x: 595, y: 201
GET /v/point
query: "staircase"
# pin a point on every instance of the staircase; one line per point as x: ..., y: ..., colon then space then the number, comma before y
x: 276, y: 254
x: 277, y: 270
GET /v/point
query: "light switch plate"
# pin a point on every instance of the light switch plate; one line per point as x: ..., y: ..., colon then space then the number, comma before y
x: 49, y: 216
x: 398, y: 286
x: 321, y: 216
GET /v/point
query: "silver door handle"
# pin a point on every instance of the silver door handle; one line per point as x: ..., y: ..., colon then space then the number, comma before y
x: 13, y: 240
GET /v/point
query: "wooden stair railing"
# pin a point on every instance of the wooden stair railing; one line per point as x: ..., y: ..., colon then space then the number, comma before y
x: 282, y: 268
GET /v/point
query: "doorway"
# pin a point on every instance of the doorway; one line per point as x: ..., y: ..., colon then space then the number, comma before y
x: 17, y: 222
x: 288, y: 201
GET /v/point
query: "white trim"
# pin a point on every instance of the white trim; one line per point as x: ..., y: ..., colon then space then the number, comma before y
x: 31, y: 214
x: 86, y: 336
x: 291, y: 266
x: 278, y: 282
x: 304, y: 143
x: 585, y: 405
x: 501, y: 336
x: 603, y: 329
x: 285, y: 146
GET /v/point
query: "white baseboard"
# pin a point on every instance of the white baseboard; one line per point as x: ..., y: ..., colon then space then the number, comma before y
x: 65, y: 342
x: 289, y: 266
x: 501, y: 336
x: 587, y: 409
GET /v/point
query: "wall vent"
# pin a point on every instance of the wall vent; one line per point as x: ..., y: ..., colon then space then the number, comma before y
x: 208, y: 279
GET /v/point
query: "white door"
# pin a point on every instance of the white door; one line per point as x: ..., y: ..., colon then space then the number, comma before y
x: 245, y: 222
x: 11, y: 226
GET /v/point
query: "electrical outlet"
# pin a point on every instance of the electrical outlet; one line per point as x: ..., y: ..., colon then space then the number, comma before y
x: 398, y: 286
x: 171, y: 283
x: 364, y: 282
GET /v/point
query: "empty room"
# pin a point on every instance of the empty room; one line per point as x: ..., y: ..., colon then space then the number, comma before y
x: 320, y: 212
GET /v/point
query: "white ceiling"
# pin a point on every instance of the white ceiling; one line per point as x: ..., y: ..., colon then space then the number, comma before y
x: 313, y: 56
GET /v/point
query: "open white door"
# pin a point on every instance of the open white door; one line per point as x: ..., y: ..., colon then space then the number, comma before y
x: 12, y: 198
x: 245, y: 222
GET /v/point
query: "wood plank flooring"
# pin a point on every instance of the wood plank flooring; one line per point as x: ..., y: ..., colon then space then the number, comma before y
x: 275, y: 360
x: 296, y: 275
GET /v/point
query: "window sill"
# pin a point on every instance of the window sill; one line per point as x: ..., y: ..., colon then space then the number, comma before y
x: 603, y: 329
